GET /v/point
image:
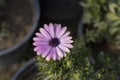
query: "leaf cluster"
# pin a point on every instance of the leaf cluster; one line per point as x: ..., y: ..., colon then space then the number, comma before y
x: 103, y: 19
x: 79, y: 65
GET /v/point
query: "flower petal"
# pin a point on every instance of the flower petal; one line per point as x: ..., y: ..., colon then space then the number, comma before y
x: 38, y: 53
x: 49, y: 56
x: 52, y: 31
x: 65, y: 35
x: 59, y: 52
x: 37, y: 48
x: 63, y: 48
x: 68, y: 45
x: 36, y: 39
x: 58, y: 58
x: 40, y: 49
x: 58, y: 29
x: 45, y: 33
x: 47, y: 51
x: 54, y: 56
x: 62, y: 31
x: 46, y: 27
x: 67, y: 42
x: 66, y: 38
x: 64, y: 54
x: 40, y: 43
x: 38, y: 35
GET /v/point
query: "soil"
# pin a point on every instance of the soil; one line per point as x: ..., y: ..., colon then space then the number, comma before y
x: 16, y: 17
x: 7, y: 73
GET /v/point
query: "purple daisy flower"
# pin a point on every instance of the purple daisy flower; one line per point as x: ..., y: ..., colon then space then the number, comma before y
x: 52, y: 42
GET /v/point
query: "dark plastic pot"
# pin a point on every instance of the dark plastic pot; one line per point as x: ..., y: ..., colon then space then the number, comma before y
x: 60, y: 9
x: 18, y: 52
x: 27, y: 72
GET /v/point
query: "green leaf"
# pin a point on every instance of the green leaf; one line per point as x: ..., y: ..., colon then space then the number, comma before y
x: 87, y: 18
x: 112, y: 7
x: 114, y: 31
x: 115, y: 23
x: 112, y: 17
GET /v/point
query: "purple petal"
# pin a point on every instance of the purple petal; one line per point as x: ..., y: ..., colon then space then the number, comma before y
x: 54, y: 56
x: 38, y: 34
x: 47, y: 51
x: 65, y: 35
x: 67, y: 42
x: 38, y: 53
x: 63, y: 48
x: 66, y: 39
x: 64, y: 54
x: 49, y: 56
x: 46, y: 27
x: 68, y: 45
x: 41, y: 36
x: 59, y: 52
x: 58, y: 29
x: 37, y: 39
x: 43, y: 32
x: 58, y: 58
x: 61, y: 32
x: 40, y: 43
x: 39, y: 49
x: 52, y: 31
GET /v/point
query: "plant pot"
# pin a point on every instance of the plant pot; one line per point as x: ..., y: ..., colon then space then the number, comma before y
x: 17, y: 52
x: 61, y: 9
x: 27, y: 72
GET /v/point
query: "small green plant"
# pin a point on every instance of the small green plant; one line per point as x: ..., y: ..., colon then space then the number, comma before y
x: 103, y: 19
x: 94, y: 15
x: 78, y: 66
x: 113, y: 20
x: 107, y: 67
x: 75, y: 66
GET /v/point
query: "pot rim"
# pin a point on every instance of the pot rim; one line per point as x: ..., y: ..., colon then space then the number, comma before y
x: 30, y: 63
x: 36, y: 10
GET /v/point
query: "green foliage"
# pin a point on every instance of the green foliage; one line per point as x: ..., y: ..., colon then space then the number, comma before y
x: 94, y: 10
x: 113, y: 21
x: 103, y: 17
x: 78, y: 66
x: 94, y: 15
x: 109, y: 68
x: 72, y: 67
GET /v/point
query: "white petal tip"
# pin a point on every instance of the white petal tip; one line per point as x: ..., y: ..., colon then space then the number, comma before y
x: 38, y: 53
